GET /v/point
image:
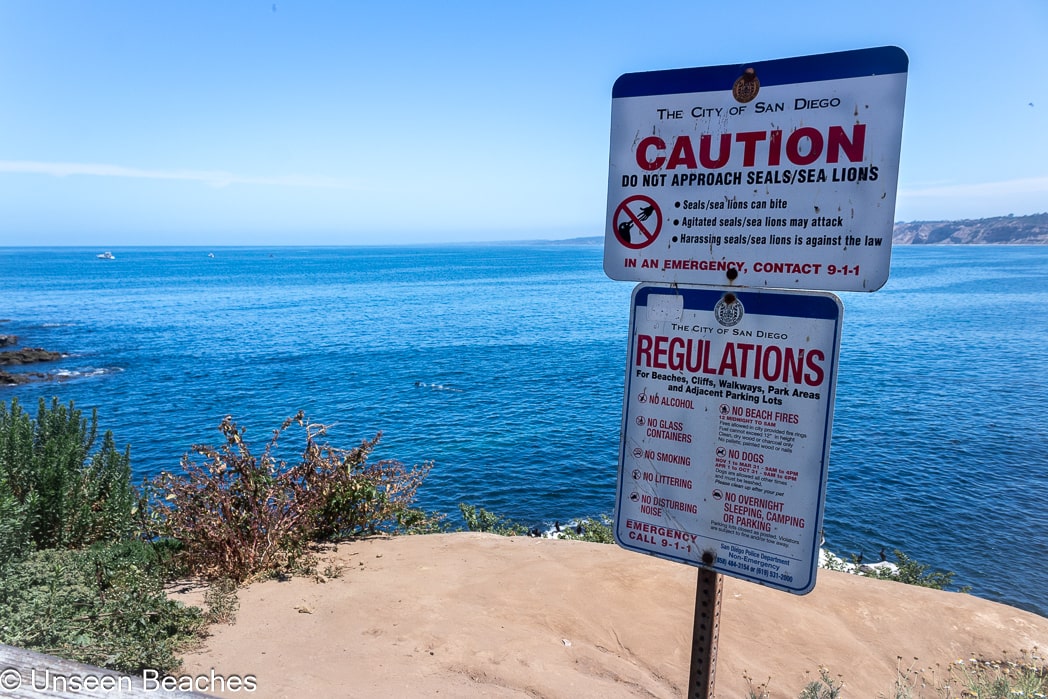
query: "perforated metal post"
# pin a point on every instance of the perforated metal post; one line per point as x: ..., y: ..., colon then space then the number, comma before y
x: 704, y: 634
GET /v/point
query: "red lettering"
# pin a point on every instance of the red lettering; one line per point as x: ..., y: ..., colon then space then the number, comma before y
x: 768, y: 362
x: 775, y: 147
x: 676, y: 344
x: 793, y: 371
x: 746, y: 349
x: 817, y: 374
x: 769, y: 372
x: 803, y: 147
x: 793, y: 145
x: 682, y: 154
x: 838, y: 142
x: 642, y: 153
x: 660, y: 352
x: 643, y: 350
x: 704, y: 151
x: 728, y: 360
x: 749, y: 140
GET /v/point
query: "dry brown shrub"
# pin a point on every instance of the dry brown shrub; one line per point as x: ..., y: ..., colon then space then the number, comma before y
x: 238, y: 516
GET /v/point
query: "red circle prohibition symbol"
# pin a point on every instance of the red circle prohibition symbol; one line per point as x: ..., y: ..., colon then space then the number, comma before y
x: 633, y: 225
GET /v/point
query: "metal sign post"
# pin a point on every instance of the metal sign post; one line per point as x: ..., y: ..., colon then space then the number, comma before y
x: 704, y: 634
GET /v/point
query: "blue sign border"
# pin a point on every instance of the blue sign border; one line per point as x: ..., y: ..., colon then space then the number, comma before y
x: 883, y: 60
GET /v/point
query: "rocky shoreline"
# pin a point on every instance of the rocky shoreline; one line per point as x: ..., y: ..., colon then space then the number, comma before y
x: 22, y: 356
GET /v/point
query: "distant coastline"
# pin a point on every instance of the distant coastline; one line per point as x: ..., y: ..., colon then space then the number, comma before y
x: 999, y: 230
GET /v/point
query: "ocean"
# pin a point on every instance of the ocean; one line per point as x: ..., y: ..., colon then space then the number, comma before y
x: 503, y: 365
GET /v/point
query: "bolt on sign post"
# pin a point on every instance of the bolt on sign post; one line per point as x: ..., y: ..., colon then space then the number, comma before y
x: 784, y: 171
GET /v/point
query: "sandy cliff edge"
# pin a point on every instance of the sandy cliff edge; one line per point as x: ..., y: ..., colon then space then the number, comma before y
x: 471, y: 615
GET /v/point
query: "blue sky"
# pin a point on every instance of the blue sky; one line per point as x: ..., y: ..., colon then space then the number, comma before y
x: 340, y: 123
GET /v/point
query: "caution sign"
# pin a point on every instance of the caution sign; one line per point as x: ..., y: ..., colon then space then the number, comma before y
x: 726, y: 429
x: 770, y: 174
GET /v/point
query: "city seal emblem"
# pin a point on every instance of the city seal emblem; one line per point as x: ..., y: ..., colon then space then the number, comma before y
x: 729, y: 310
x: 746, y: 87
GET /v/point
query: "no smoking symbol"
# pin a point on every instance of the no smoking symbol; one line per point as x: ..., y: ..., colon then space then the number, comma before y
x: 637, y: 221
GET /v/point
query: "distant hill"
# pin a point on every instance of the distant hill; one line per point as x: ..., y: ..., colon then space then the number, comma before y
x: 1001, y: 230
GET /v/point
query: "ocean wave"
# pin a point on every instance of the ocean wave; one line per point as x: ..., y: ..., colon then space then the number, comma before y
x: 70, y: 374
x: 437, y: 387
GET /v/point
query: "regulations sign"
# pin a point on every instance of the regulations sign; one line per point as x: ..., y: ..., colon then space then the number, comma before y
x: 771, y: 174
x: 726, y: 429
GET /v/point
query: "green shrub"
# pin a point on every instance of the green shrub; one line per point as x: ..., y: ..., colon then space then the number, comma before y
x: 55, y: 492
x: 906, y: 571
x: 599, y: 531
x: 104, y: 606
x: 222, y: 602
x: 480, y: 520
x: 14, y: 532
x: 1024, y: 676
x: 237, y: 515
x: 477, y: 519
x: 823, y: 688
x: 911, y: 572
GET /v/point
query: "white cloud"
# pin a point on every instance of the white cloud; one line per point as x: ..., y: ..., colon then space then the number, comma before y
x: 213, y: 178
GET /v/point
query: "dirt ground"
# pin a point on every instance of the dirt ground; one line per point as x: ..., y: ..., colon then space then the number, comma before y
x: 479, y: 615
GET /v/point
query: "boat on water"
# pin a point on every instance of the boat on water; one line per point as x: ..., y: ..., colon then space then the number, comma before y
x: 105, y: 255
